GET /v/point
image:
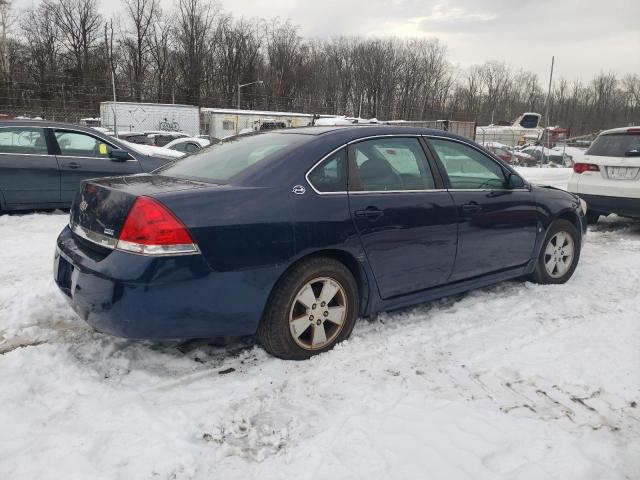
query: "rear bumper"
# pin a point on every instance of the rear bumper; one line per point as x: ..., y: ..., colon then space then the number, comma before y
x: 626, y: 207
x: 137, y: 296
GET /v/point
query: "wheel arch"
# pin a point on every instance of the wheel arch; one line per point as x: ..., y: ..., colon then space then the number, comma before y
x: 348, y: 260
x: 572, y: 217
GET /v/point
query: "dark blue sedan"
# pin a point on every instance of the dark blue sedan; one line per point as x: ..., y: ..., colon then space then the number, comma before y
x: 294, y: 234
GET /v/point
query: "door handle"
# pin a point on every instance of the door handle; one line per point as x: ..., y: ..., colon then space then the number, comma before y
x: 471, y: 207
x: 73, y: 165
x: 371, y: 213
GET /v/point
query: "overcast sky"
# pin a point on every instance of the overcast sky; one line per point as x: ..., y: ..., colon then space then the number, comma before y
x: 586, y: 36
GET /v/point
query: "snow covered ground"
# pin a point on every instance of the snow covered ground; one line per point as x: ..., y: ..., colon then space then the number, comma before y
x: 515, y: 381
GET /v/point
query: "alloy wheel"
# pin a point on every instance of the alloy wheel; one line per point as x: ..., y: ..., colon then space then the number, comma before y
x: 558, y: 254
x: 318, y: 313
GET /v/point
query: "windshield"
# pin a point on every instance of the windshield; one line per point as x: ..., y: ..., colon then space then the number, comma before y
x: 614, y: 144
x: 221, y: 162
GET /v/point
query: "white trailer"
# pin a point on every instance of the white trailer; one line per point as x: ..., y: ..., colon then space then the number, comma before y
x: 223, y: 122
x: 144, y: 117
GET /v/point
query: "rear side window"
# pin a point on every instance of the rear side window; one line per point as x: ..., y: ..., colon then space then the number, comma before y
x: 223, y: 161
x: 614, y: 144
x: 331, y: 175
x: 390, y: 164
x: 23, y: 140
x: 468, y: 168
x: 78, y: 144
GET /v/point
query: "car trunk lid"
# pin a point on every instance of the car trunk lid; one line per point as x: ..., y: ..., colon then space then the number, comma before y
x: 101, y: 206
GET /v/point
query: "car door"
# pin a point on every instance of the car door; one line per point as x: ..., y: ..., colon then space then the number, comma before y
x: 81, y: 156
x: 29, y: 175
x: 497, y: 224
x: 405, y: 219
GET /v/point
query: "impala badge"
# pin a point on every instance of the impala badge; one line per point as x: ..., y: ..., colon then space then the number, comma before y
x: 299, y: 190
x: 83, y: 205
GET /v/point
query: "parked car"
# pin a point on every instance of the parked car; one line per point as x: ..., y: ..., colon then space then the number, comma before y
x: 134, y: 137
x: 42, y: 163
x: 160, y: 139
x: 608, y: 177
x: 188, y: 144
x: 293, y: 234
x: 211, y: 138
x: 548, y: 156
x: 501, y: 151
x: 509, y: 155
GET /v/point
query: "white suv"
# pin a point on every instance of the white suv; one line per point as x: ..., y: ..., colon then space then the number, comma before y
x: 608, y: 178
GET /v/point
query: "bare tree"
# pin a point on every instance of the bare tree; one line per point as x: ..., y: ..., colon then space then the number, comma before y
x: 237, y: 57
x: 79, y: 23
x: 161, y: 52
x: 43, y: 45
x: 195, y: 20
x: 135, y: 42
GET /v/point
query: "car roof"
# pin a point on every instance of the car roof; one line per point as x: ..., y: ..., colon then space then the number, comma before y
x: 621, y: 130
x: 45, y: 124
x: 353, y: 132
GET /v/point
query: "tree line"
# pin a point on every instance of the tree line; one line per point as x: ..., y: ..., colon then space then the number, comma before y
x: 60, y: 58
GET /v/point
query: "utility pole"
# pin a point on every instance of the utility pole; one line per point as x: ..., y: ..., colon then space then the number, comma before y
x: 546, y: 114
x: 115, y: 107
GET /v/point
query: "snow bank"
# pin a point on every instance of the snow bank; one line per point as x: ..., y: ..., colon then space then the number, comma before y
x: 516, y: 381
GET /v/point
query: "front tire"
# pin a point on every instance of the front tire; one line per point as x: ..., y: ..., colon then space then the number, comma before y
x: 311, y: 309
x: 559, y: 254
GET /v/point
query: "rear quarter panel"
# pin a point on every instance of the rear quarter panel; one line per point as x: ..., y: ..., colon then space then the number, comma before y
x: 237, y: 228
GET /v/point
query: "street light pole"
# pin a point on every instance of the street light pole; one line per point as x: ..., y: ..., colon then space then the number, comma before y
x: 246, y: 85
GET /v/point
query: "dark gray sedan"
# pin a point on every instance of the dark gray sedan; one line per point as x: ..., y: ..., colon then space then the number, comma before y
x: 42, y: 163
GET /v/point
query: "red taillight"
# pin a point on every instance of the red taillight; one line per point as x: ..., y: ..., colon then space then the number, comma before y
x: 633, y: 130
x: 150, y: 228
x: 585, y: 167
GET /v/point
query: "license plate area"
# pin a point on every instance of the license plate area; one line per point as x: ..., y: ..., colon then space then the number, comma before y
x: 622, y: 173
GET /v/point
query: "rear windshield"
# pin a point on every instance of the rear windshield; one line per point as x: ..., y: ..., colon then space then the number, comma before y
x: 221, y: 162
x: 614, y: 144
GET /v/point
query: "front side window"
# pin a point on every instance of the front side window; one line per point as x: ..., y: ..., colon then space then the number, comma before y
x: 468, y: 168
x: 331, y: 174
x: 78, y: 144
x: 390, y: 164
x: 23, y: 140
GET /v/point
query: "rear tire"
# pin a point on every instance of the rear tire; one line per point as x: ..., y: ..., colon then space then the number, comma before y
x: 311, y: 309
x: 559, y: 254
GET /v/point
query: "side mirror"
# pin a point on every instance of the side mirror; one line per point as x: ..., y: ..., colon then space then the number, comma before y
x: 119, y: 155
x: 515, y: 181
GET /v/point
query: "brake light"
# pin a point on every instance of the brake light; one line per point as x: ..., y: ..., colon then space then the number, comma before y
x: 585, y: 167
x: 633, y: 130
x: 151, y: 229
